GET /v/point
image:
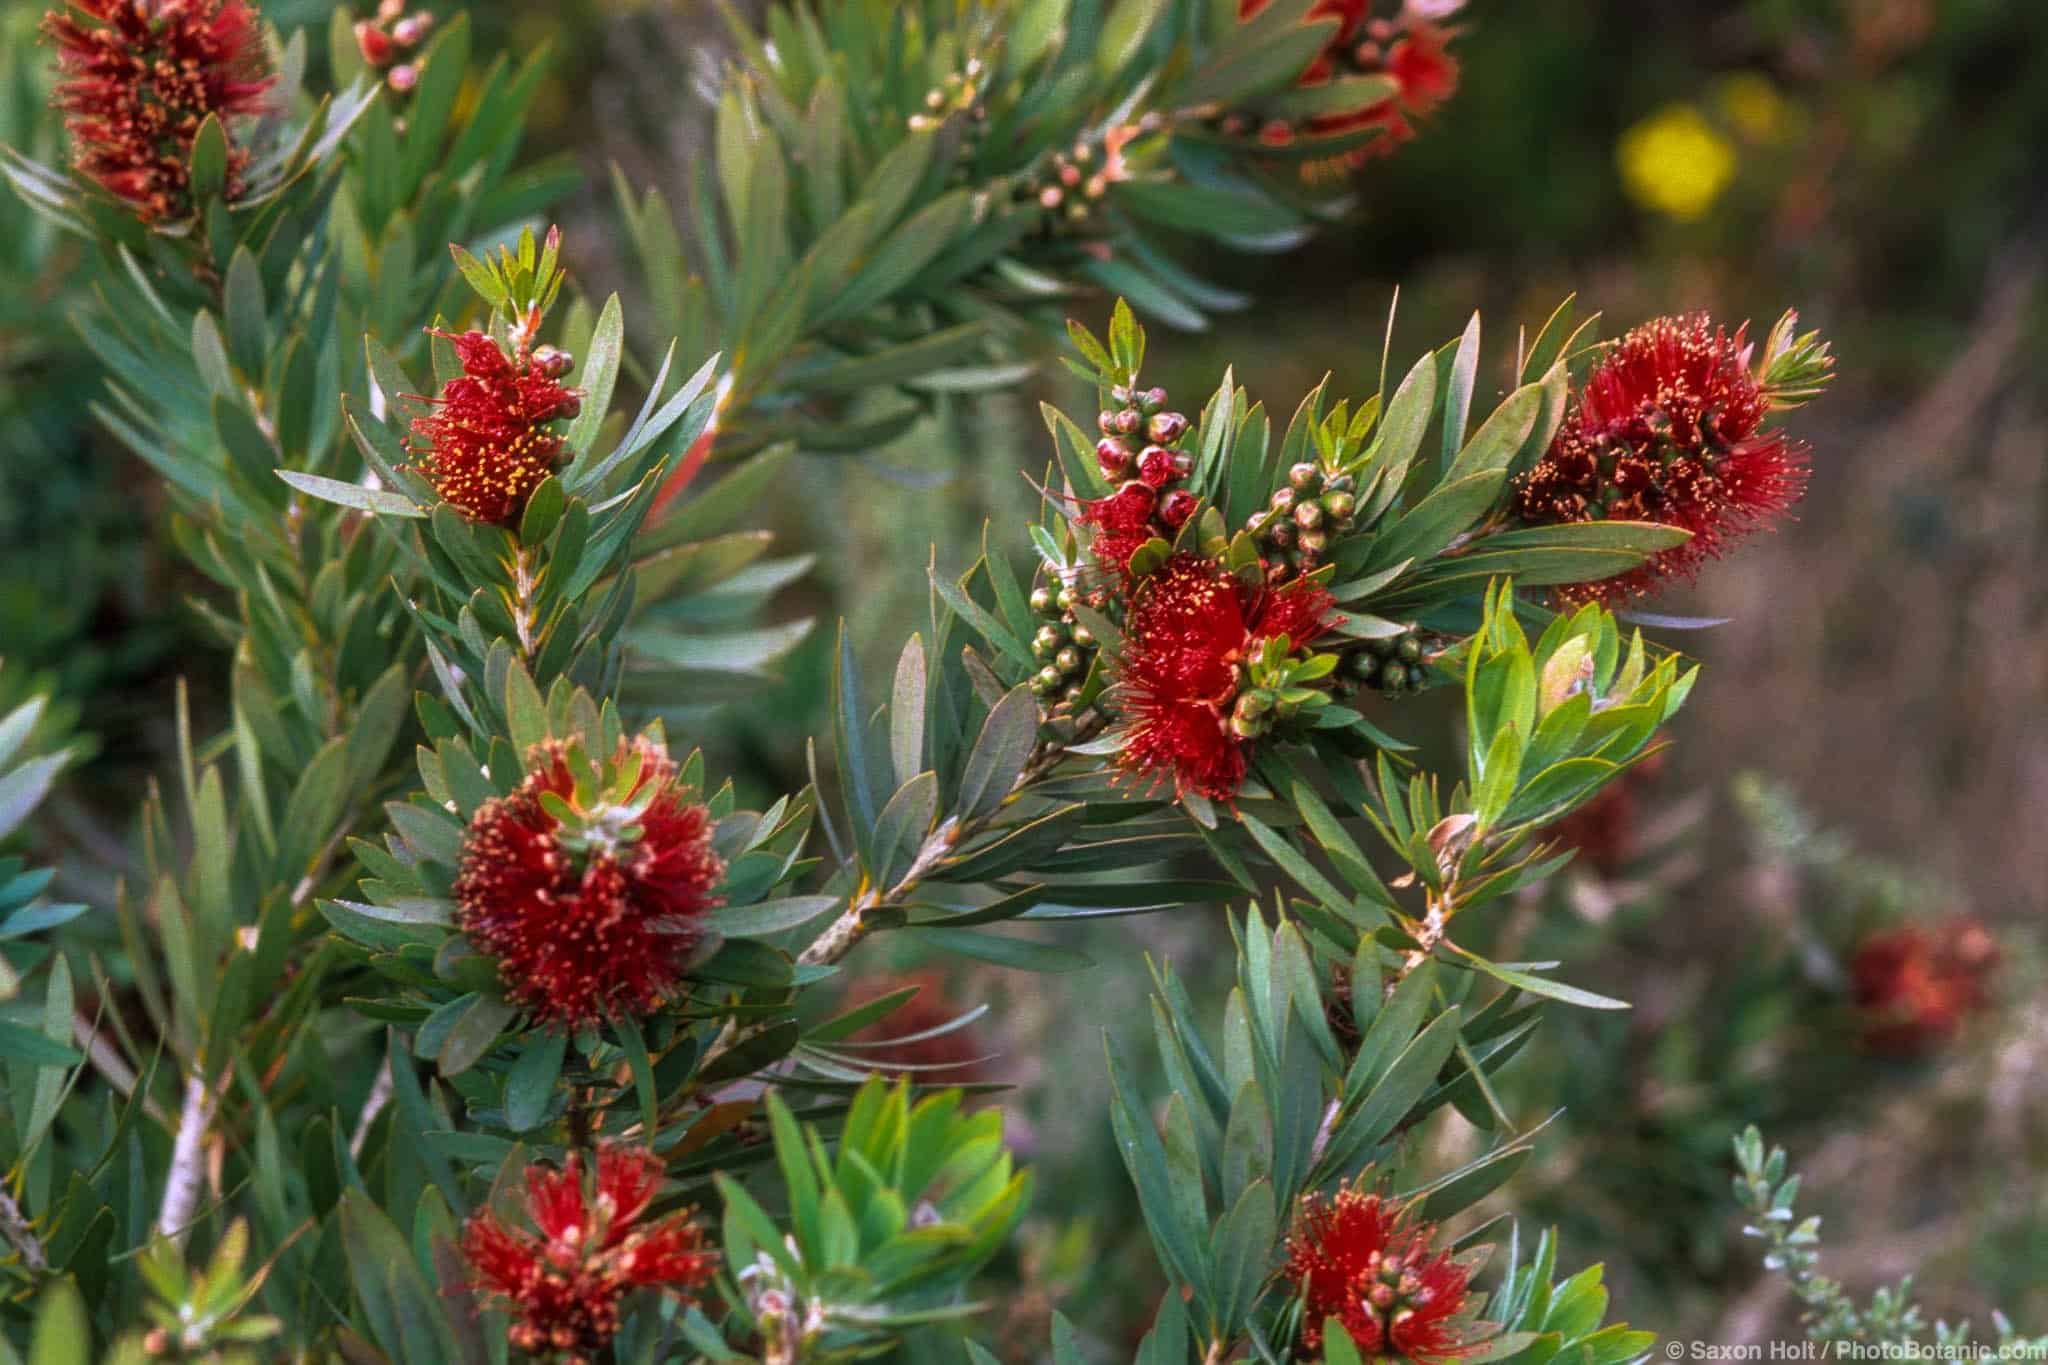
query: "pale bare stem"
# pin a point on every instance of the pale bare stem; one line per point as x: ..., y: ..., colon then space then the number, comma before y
x: 524, y: 583
x: 188, y: 1151
x: 1428, y: 934
x: 21, y: 1235
x: 181, y: 1187
x: 373, y: 1105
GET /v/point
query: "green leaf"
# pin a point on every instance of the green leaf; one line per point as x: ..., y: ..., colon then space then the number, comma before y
x: 1124, y: 33
x: 380, y: 501
x: 766, y: 918
x: 1464, y: 372
x: 531, y: 1083
x: 1000, y: 754
x: 906, y: 711
x: 599, y: 375
x: 1538, y: 985
x: 1022, y: 954
x: 63, y: 1334
x: 473, y: 1034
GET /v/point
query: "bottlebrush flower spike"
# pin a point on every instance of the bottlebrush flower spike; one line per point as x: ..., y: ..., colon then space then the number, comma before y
x: 1916, y: 985
x: 139, y: 78
x: 564, y: 1283
x: 586, y: 884
x: 1188, y: 685
x: 1669, y: 428
x: 1359, y: 1258
x: 486, y: 443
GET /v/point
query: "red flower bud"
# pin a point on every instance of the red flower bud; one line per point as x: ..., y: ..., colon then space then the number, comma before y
x: 1113, y: 456
x: 1156, y: 466
x: 1177, y: 506
x: 373, y: 42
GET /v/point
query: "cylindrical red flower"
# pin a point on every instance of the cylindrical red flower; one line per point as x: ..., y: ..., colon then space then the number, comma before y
x: 1669, y: 428
x: 1915, y: 986
x: 487, y: 442
x: 139, y: 78
x: 1361, y: 1259
x: 1192, y: 625
x: 1408, y: 49
x: 563, y: 1282
x: 590, y: 910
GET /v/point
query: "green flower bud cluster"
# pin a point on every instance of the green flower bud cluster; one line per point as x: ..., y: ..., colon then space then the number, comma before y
x: 1395, y: 666
x: 1298, y: 525
x: 1065, y: 649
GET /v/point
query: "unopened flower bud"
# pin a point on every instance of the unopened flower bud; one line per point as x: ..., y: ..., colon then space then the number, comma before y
x: 1105, y: 422
x: 1340, y: 483
x: 1120, y: 393
x: 1410, y: 649
x: 1065, y: 599
x: 409, y: 30
x: 1153, y: 399
x: 1314, y: 542
x: 1113, y: 456
x: 1155, y: 466
x: 1283, y: 499
x: 1176, y: 507
x: 1308, y: 515
x: 1129, y: 421
x: 1281, y: 534
x: 1339, y: 505
x: 1305, y: 477
x: 1068, y: 660
x: 1050, y: 679
x: 554, y: 362
x: 1041, y: 600
x: 1418, y: 677
x: 373, y: 42
x: 1183, y: 464
x: 1047, y: 642
x: 570, y: 407
x: 403, y: 78
x: 1167, y: 427
x: 1084, y: 637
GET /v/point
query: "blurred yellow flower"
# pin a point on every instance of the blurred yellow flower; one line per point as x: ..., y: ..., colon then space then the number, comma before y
x: 1754, y: 106
x: 1675, y: 163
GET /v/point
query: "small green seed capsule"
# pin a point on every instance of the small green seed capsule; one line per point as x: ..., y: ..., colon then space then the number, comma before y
x: 1283, y: 499
x: 1083, y: 636
x: 1041, y: 601
x: 1048, y: 641
x: 1314, y: 542
x: 1051, y: 679
x: 1340, y: 483
x: 1068, y: 660
x: 1418, y: 678
x: 1339, y: 505
x: 1308, y: 515
x: 1072, y: 695
x: 1305, y: 477
x: 1410, y: 649
x: 1281, y: 533
x: 1065, y: 599
x: 1363, y: 666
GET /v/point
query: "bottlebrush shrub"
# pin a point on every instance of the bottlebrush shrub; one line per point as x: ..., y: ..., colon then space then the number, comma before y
x: 439, y: 904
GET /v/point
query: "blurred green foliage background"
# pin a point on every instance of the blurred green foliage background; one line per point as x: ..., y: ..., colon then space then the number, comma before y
x: 1878, y: 164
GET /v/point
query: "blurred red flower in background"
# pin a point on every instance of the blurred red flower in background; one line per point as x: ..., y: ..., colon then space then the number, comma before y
x: 1916, y: 985
x: 140, y: 77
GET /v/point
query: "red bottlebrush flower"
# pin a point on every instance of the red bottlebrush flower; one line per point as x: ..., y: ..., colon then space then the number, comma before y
x: 1669, y: 428
x: 909, y: 1036
x: 594, y: 914
x: 1192, y: 626
x: 139, y: 78
x: 1359, y: 1258
x: 487, y: 445
x: 1121, y: 522
x: 1916, y: 985
x: 564, y: 1282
